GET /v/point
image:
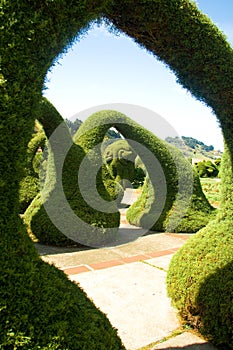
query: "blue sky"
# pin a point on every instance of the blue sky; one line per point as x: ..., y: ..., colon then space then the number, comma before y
x: 103, y: 69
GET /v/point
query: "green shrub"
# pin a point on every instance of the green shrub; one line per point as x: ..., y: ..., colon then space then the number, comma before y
x: 29, y: 185
x: 46, y: 310
x: 121, y: 163
x: 119, y: 158
x: 206, y: 168
x: 217, y: 162
x: 190, y: 210
x: 94, y: 227
x: 139, y: 177
x: 200, y: 276
x: 200, y: 282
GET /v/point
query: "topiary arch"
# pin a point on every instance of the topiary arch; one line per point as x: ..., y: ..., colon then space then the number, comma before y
x: 35, y: 33
x: 180, y: 206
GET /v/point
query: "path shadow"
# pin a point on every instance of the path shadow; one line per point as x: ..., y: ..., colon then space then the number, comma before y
x: 197, y: 346
x: 125, y: 235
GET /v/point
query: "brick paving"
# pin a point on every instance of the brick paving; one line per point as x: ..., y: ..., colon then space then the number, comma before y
x: 74, y: 270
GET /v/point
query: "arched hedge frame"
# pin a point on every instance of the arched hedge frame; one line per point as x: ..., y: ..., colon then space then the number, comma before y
x: 35, y: 34
x: 182, y: 196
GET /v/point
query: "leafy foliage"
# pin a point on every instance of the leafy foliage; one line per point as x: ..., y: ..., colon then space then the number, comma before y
x: 206, y: 169
x: 198, y: 53
x: 29, y: 185
x: 95, y: 227
x: 119, y: 158
x: 39, y: 307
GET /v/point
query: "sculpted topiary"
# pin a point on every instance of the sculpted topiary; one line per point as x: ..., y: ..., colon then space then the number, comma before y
x: 50, y: 226
x: 29, y: 186
x: 34, y: 35
x: 39, y: 307
x: 119, y: 158
x: 170, y: 177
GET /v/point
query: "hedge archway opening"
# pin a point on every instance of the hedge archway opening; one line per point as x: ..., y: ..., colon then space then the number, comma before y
x: 197, y: 52
x: 172, y: 199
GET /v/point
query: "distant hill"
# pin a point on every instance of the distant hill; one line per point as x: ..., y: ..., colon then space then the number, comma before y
x: 195, y: 149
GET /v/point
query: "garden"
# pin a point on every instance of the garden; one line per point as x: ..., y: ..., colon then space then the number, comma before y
x: 57, y: 205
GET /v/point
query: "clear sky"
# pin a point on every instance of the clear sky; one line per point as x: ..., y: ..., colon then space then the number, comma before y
x: 104, y: 69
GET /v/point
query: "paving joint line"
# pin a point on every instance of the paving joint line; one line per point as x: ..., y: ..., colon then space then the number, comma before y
x: 154, y: 266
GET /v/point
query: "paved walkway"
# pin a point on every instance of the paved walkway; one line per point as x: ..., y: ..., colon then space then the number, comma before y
x: 127, y: 281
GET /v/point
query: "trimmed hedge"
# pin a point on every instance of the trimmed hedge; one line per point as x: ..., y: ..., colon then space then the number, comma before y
x: 98, y: 227
x: 200, y: 276
x: 185, y: 209
x: 190, y: 210
x: 206, y: 168
x: 34, y: 35
x: 120, y: 161
x: 29, y: 185
x: 42, y: 309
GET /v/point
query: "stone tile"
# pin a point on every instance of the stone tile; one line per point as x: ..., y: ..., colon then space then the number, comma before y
x: 161, y: 262
x: 135, y: 300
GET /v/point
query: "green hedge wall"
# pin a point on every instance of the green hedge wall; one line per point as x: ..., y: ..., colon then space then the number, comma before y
x: 39, y: 307
x: 35, y: 34
x: 198, y: 53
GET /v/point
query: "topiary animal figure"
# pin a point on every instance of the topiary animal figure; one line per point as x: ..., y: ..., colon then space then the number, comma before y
x: 119, y: 158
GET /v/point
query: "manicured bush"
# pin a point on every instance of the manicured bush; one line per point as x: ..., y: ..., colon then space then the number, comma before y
x: 190, y: 210
x: 119, y: 158
x: 206, y: 168
x: 39, y: 307
x: 202, y: 60
x: 211, y: 188
x: 98, y: 227
x: 200, y: 276
x: 46, y: 310
x: 29, y: 185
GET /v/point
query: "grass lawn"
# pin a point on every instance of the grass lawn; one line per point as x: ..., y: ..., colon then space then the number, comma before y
x: 211, y: 189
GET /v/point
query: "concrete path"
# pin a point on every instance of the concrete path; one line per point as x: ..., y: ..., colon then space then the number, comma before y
x: 127, y: 281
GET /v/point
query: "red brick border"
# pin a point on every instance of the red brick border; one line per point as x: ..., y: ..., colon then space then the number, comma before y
x: 122, y: 261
